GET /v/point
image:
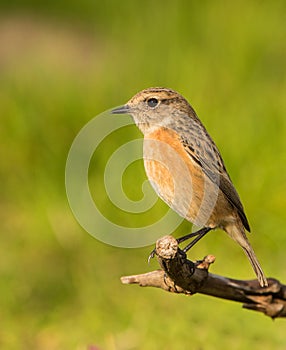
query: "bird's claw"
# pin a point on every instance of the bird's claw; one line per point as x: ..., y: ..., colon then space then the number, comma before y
x: 151, y: 255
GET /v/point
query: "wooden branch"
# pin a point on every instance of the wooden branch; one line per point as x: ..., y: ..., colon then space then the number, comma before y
x: 180, y: 275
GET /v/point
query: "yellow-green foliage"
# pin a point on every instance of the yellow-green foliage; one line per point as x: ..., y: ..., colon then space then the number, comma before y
x: 64, y: 62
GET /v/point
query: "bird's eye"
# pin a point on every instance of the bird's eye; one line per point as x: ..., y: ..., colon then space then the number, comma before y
x: 152, y: 102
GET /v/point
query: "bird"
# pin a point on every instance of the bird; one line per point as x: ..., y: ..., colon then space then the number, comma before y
x: 186, y: 169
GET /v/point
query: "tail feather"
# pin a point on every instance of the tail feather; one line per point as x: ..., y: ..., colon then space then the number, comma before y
x: 256, y: 266
x: 238, y: 234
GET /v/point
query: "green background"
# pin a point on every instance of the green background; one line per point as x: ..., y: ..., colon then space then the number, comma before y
x: 62, y: 63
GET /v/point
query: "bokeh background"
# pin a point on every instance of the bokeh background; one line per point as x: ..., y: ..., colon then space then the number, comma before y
x: 64, y: 62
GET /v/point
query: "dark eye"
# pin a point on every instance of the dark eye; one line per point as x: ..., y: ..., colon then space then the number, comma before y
x: 152, y: 102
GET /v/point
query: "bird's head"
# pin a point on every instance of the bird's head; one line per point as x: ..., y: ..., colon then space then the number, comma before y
x: 156, y: 107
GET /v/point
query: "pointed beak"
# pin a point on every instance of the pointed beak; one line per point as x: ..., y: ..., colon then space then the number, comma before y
x: 121, y: 110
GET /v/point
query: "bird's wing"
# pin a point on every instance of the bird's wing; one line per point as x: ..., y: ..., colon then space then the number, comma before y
x: 208, y: 157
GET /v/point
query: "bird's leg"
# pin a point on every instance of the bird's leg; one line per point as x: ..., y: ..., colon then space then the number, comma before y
x: 191, y: 235
x: 199, y: 234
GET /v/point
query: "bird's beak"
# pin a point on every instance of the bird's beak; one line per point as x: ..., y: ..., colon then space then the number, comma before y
x: 121, y: 110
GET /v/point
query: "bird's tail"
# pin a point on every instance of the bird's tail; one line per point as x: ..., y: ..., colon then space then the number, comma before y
x: 256, y: 266
x: 238, y: 234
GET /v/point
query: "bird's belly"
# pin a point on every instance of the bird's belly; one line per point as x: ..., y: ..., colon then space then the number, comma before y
x: 180, y: 182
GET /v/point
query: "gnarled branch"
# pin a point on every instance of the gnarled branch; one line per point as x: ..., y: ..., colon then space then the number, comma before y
x: 180, y: 275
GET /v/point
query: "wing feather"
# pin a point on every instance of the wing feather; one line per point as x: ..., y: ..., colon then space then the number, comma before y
x: 208, y: 157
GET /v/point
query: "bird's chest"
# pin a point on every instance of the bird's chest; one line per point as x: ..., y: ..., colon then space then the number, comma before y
x: 171, y: 172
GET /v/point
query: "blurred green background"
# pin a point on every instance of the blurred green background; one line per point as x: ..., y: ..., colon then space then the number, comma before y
x: 64, y: 62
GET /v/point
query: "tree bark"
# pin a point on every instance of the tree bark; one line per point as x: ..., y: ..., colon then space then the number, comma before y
x: 180, y: 275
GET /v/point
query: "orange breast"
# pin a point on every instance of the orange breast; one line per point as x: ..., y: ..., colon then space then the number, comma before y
x: 178, y: 180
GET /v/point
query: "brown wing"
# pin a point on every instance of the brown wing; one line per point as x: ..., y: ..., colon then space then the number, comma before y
x: 208, y: 157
